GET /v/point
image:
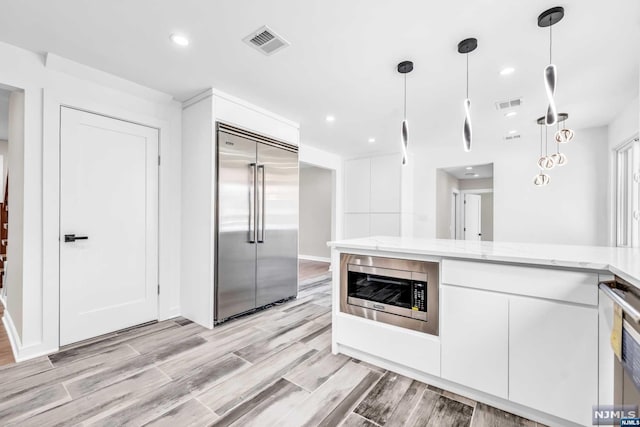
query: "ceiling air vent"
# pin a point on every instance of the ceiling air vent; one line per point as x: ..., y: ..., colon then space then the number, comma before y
x: 266, y: 40
x: 512, y: 137
x: 509, y: 103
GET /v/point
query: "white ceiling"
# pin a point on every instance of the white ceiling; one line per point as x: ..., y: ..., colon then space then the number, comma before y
x: 461, y: 172
x: 343, y: 56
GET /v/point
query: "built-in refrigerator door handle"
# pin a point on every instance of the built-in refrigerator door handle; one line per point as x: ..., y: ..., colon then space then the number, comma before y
x: 261, y: 193
x: 252, y: 202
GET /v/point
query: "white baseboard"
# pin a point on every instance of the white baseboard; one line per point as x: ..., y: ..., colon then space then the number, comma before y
x: 314, y: 258
x: 21, y: 353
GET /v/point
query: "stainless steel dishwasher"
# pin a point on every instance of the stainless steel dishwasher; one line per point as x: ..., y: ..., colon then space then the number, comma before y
x: 627, y: 368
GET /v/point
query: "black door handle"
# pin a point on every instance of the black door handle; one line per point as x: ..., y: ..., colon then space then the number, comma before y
x: 72, y: 238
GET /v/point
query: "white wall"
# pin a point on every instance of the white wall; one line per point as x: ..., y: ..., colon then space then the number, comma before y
x: 373, y: 203
x: 572, y: 209
x: 4, y: 113
x: 445, y: 184
x: 316, y: 192
x: 486, y: 216
x: 48, y: 83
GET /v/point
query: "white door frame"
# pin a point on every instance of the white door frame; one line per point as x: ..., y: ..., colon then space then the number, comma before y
x: 53, y: 101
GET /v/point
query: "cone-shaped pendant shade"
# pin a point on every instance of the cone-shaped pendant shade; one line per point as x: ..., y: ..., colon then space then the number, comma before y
x: 550, y: 78
x: 466, y: 128
x: 405, y: 140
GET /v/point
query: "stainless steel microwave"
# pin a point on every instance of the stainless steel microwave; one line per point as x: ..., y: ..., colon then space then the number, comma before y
x: 389, y: 290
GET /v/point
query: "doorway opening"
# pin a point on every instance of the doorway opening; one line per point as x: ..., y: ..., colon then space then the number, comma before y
x: 316, y: 220
x: 11, y: 159
x: 464, y: 202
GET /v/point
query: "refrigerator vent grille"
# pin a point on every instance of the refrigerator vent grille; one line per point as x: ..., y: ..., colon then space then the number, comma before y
x: 266, y: 40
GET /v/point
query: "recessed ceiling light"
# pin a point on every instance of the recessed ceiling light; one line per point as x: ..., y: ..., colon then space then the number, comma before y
x: 372, y: 140
x: 511, y: 114
x: 476, y: 175
x: 469, y: 168
x: 331, y: 119
x: 513, y: 132
x: 507, y: 71
x: 179, y: 39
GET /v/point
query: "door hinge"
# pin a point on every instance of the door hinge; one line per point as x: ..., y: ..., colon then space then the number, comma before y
x: 158, y: 160
x: 158, y: 288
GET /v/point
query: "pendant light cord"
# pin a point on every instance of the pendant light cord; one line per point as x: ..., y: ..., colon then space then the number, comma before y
x: 546, y: 142
x: 550, y: 43
x: 405, y: 96
x: 540, y: 140
x: 467, y: 76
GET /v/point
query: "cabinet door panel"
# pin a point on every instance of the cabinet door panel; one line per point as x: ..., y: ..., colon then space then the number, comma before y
x: 385, y: 184
x: 474, y: 335
x: 357, y: 185
x: 553, y: 363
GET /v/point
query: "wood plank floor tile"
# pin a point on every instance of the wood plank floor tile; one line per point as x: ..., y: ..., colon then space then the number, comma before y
x: 347, y: 404
x: 32, y: 402
x: 271, y: 344
x: 152, y: 343
x: 6, y: 354
x: 90, y: 348
x: 121, y: 370
x: 449, y: 412
x: 313, y: 410
x: 17, y: 371
x: 192, y: 413
x: 260, y: 408
x: 254, y: 379
x: 459, y: 398
x: 384, y: 397
x: 487, y: 416
x: 169, y: 396
x: 423, y: 410
x: 78, y: 369
x: 100, y: 403
x: 355, y: 420
x: 408, y: 403
x: 316, y: 370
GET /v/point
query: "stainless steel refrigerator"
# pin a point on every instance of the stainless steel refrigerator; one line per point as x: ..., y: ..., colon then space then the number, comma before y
x: 257, y: 222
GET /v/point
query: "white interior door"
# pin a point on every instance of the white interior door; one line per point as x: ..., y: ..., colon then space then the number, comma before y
x: 472, y: 217
x: 108, y: 194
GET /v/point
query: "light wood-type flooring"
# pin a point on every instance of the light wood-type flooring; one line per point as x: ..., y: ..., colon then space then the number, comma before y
x: 273, y: 368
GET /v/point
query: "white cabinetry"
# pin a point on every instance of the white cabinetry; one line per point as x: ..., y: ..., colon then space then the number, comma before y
x: 526, y: 334
x: 553, y: 357
x: 475, y: 339
x: 372, y: 196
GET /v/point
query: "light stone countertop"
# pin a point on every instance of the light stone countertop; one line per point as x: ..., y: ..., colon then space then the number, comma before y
x: 624, y: 262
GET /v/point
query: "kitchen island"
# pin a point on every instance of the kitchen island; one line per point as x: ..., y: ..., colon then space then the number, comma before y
x: 522, y: 327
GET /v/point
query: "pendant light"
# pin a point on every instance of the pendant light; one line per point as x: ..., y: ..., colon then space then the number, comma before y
x: 405, y: 67
x: 465, y: 47
x: 563, y: 135
x: 547, y: 19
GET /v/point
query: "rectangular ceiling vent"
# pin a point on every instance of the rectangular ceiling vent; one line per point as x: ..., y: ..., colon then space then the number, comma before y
x: 266, y: 40
x: 512, y: 137
x: 509, y: 103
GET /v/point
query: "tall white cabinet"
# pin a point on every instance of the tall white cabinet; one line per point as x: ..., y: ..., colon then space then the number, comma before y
x: 372, y: 196
x: 199, y: 117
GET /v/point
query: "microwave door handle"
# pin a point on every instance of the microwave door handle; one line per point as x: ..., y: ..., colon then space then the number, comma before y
x: 252, y: 203
x: 627, y: 308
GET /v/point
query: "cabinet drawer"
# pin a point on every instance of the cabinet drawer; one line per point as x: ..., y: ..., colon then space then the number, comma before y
x: 562, y: 285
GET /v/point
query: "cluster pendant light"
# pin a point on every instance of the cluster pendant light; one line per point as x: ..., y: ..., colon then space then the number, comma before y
x: 546, y: 162
x: 405, y: 67
x: 465, y: 47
